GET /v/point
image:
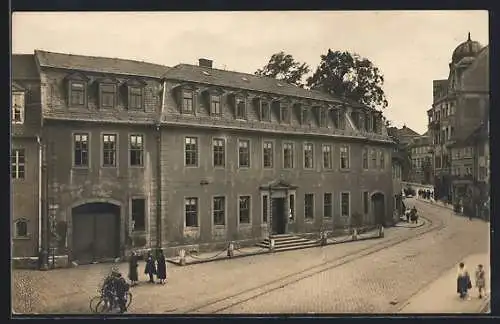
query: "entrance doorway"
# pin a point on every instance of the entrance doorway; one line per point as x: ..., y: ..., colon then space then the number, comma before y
x: 278, y: 215
x: 96, y: 232
x: 378, y: 205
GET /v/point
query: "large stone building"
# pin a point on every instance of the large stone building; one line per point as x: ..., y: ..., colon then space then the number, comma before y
x: 141, y: 156
x: 421, y: 158
x: 404, y: 137
x: 458, y: 122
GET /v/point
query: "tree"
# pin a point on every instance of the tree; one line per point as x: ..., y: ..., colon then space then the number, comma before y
x: 283, y: 67
x: 350, y: 76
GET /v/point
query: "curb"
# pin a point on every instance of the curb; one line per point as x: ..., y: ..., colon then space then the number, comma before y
x: 425, y: 220
x: 177, y: 263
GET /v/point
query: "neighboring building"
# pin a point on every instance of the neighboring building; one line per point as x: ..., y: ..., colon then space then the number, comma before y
x: 460, y: 105
x: 398, y: 160
x: 142, y: 156
x: 25, y: 156
x: 403, y: 137
x: 421, y: 160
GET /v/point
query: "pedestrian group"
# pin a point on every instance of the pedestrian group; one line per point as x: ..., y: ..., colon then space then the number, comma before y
x: 464, y: 283
x: 153, y: 267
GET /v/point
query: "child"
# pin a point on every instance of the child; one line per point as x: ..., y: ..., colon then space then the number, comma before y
x: 480, y: 280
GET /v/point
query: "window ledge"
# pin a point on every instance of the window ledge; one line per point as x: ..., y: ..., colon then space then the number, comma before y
x: 220, y: 227
x: 22, y: 238
x: 309, y: 220
x: 136, y: 166
x: 245, y: 225
x: 139, y: 232
x: 345, y: 170
x: 191, y: 228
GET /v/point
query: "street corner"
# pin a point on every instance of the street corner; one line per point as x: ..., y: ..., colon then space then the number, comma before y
x: 404, y: 223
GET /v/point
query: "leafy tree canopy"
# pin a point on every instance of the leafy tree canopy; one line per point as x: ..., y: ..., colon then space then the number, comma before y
x: 283, y: 66
x: 350, y: 76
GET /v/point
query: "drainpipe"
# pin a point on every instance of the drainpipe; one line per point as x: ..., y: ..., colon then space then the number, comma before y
x: 39, y: 193
x: 158, y: 168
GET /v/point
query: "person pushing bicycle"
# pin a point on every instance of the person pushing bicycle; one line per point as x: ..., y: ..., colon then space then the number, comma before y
x: 115, y: 286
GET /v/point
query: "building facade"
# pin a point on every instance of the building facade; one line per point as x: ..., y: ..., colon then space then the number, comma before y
x: 26, y: 156
x: 141, y: 156
x: 460, y: 106
x: 421, y: 159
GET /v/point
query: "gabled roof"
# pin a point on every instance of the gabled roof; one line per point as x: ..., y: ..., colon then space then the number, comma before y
x: 223, y: 78
x: 99, y: 64
x: 24, y: 67
x: 406, y: 131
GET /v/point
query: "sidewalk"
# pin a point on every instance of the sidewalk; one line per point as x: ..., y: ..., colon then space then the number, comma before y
x: 441, y: 297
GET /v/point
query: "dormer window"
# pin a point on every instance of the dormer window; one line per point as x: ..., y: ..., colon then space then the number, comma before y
x: 77, y: 93
x: 187, y: 101
x: 241, y: 111
x: 265, y: 111
x: 304, y: 118
x: 18, y: 107
x: 135, y: 98
x: 284, y: 114
x: 215, y: 107
x: 323, y: 121
x: 107, y: 95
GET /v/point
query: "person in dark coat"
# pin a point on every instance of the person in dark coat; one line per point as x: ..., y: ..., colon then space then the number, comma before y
x: 463, y: 281
x: 132, y: 272
x: 162, y: 268
x: 150, y: 268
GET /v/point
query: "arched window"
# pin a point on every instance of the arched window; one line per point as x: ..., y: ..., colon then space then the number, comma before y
x: 21, y: 228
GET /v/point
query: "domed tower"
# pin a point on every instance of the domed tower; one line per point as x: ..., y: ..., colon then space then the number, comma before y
x: 462, y: 57
x: 467, y: 49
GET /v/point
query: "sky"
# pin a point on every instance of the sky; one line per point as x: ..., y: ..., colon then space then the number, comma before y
x: 411, y: 48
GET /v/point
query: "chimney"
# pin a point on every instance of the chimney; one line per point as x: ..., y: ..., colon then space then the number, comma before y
x: 205, y: 63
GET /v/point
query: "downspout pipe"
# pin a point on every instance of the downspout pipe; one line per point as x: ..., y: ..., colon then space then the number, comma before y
x: 159, y: 177
x: 39, y: 193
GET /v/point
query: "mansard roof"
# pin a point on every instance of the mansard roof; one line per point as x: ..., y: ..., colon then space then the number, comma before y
x: 239, y: 80
x: 24, y: 67
x: 99, y: 64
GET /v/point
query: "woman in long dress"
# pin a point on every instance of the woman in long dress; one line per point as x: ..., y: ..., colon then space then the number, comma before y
x: 162, y: 268
x: 132, y: 271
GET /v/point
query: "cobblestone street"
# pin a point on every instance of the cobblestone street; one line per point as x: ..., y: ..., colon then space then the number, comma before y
x: 361, y: 277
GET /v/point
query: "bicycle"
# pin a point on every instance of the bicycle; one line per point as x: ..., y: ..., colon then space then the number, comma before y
x: 101, y: 304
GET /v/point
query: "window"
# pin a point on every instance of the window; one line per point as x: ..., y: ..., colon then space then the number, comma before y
x: 107, y: 95
x: 139, y: 214
x: 191, y: 212
x: 365, y: 202
x: 219, y: 151
x: 135, y: 98
x: 288, y: 155
x: 327, y: 205
x: 265, y: 111
x: 345, y: 204
x: 17, y: 163
x: 264, y: 208
x: 244, y: 153
x: 109, y: 150
x: 304, y: 118
x: 344, y: 157
x: 81, y: 146
x: 77, y: 93
x: 365, y: 158
x: 308, y: 156
x: 244, y: 210
x: 292, y: 207
x: 323, y: 121
x: 191, y: 151
x: 309, y: 206
x: 368, y: 123
x: 215, y: 107
x: 327, y: 156
x: 284, y: 114
x: 136, y: 150
x: 241, y: 111
x: 374, y: 159
x: 18, y: 108
x: 187, y: 102
x: 382, y: 160
x: 21, y: 228
x: 219, y: 211
x: 268, y: 154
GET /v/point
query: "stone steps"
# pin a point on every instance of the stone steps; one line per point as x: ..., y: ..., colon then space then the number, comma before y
x: 285, y: 242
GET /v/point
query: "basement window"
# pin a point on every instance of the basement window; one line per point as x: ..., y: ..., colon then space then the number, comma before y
x: 21, y: 228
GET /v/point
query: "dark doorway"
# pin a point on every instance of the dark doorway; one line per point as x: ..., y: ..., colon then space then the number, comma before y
x: 378, y: 208
x: 96, y: 232
x: 278, y: 215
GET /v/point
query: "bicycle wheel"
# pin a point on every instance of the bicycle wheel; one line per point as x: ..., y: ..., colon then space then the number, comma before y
x: 93, y: 303
x: 129, y: 299
x: 102, y: 306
